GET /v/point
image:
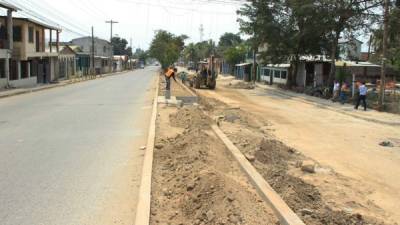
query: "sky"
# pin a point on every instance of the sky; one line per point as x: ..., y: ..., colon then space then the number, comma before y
x: 137, y: 19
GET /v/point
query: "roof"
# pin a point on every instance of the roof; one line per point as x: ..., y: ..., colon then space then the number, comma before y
x: 355, y: 64
x: 35, y: 22
x: 7, y: 5
x: 89, y: 37
x: 279, y: 65
x: 243, y: 64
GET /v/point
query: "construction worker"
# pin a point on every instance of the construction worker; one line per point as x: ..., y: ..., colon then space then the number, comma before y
x: 171, y: 72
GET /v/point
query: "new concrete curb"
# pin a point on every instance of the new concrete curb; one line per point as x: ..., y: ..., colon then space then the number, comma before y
x: 144, y: 202
x: 282, y: 210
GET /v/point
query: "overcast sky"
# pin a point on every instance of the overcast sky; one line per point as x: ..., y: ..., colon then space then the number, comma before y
x: 138, y: 19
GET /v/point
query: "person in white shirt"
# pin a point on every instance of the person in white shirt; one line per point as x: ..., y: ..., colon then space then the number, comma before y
x: 336, y: 90
x: 362, y: 96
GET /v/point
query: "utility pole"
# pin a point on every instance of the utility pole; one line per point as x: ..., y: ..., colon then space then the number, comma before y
x: 92, y: 54
x: 384, y: 55
x: 111, y: 22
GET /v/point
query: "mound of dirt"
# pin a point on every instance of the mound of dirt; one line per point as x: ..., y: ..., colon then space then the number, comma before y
x: 241, y: 85
x: 276, y: 161
x: 195, y: 181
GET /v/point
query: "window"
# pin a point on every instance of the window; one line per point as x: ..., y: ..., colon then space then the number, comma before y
x: 17, y: 30
x: 30, y: 31
x: 3, y: 32
x: 267, y: 72
x: 284, y: 74
x: 277, y: 74
x: 104, y: 49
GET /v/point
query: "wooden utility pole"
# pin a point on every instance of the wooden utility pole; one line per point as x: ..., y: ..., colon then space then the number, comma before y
x: 111, y: 22
x: 92, y: 54
x: 384, y: 55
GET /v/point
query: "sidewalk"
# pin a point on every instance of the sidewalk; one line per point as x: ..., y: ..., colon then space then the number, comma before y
x: 40, y: 87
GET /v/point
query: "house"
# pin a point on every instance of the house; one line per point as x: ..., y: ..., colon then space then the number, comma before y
x: 6, y: 44
x: 120, y: 63
x: 350, y: 49
x: 31, y: 61
x: 274, y: 74
x: 73, y: 61
x: 102, y: 52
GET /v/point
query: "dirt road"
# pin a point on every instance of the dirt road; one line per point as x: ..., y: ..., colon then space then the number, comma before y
x: 362, y: 175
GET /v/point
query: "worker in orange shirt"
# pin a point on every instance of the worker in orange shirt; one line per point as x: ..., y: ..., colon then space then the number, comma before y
x: 171, y: 72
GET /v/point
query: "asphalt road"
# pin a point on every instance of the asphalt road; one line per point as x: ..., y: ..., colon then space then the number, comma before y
x: 70, y: 155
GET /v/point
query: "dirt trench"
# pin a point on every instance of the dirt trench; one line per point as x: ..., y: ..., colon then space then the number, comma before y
x: 195, y: 180
x: 281, y: 166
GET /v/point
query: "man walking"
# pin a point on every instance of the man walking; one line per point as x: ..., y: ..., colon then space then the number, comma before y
x: 362, y: 96
x: 336, y: 90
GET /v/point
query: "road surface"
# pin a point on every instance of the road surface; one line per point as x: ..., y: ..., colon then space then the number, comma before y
x: 70, y: 155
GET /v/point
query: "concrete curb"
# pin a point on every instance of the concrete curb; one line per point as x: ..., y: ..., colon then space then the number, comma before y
x: 281, y: 209
x: 37, y: 89
x: 144, y: 202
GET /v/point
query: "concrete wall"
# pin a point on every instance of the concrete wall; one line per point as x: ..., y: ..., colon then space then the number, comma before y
x: 27, y: 82
x: 3, y: 83
x: 301, y: 75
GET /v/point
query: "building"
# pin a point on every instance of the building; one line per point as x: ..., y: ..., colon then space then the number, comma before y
x: 102, y: 52
x: 274, y: 74
x: 120, y: 63
x: 350, y: 49
x: 6, y: 44
x: 32, y: 59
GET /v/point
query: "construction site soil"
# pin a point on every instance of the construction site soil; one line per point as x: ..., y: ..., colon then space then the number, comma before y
x: 196, y: 181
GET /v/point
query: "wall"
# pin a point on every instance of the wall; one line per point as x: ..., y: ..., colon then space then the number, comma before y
x: 301, y: 75
x: 27, y: 82
x: 99, y: 44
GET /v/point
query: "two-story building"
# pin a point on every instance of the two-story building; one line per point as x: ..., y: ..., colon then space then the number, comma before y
x: 102, y: 52
x: 32, y: 59
x: 6, y: 43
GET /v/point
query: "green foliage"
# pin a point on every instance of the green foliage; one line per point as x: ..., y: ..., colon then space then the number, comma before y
x: 235, y: 54
x: 198, y: 51
x: 293, y: 28
x: 227, y: 41
x: 166, y: 47
x: 393, y: 48
x: 141, y: 55
x: 120, y: 46
x: 341, y: 74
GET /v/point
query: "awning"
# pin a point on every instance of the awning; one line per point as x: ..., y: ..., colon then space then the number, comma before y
x: 243, y: 64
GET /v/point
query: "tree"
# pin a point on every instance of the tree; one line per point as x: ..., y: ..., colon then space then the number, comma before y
x: 393, y: 48
x: 290, y: 28
x: 227, y: 41
x: 235, y: 54
x: 120, y: 46
x: 347, y: 16
x: 166, y: 47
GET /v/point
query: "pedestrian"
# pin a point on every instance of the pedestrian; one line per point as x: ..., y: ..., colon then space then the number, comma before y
x: 336, y: 90
x: 170, y: 73
x: 362, y: 96
x: 343, y: 91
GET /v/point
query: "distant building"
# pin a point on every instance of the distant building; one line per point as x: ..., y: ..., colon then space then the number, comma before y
x: 102, y: 52
x: 350, y: 49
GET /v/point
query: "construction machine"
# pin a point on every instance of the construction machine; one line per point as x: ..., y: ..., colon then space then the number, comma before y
x: 206, y: 75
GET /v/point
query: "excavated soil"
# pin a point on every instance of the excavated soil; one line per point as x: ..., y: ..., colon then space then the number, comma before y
x: 281, y: 167
x: 195, y: 180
